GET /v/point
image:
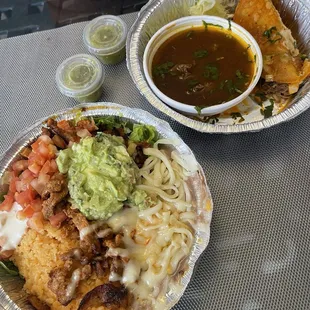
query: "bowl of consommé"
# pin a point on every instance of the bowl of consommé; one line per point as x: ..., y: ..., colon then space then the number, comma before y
x: 202, y: 64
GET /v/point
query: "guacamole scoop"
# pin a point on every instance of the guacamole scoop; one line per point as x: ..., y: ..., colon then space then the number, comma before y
x: 101, y: 176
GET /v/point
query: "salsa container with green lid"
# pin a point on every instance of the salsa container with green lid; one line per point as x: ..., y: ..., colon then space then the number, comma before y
x: 81, y: 77
x: 105, y: 37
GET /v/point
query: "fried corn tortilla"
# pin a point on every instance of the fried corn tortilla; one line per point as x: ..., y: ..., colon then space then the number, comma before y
x: 282, y: 61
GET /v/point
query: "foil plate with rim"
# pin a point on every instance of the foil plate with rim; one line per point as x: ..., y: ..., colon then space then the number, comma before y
x: 157, y: 13
x: 11, y: 294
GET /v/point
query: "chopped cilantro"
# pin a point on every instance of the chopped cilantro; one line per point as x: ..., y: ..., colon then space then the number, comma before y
x: 229, y: 24
x: 303, y: 56
x: 209, y: 119
x: 109, y: 122
x: 161, y: 70
x: 230, y: 86
x: 211, y: 72
x: 243, y: 78
x: 261, y: 96
x: 200, y: 53
x: 212, y: 119
x: 249, y: 46
x: 192, y: 83
x: 189, y: 34
x: 236, y: 115
x: 199, y: 108
x: 239, y: 75
x: 222, y: 84
x: 210, y: 24
x: 272, y: 35
x: 255, y: 58
x: 267, y: 111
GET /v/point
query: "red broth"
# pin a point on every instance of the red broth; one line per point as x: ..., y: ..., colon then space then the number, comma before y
x: 203, y: 66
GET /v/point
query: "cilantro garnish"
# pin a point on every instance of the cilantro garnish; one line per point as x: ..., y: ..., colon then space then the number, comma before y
x: 210, y: 24
x: 236, y: 115
x: 267, y: 111
x: 243, y: 78
x: 240, y: 75
x: 163, y: 69
x: 211, y: 72
x: 200, y: 53
x: 230, y: 86
x: 229, y: 24
x: 303, y: 56
x: 272, y: 35
x: 212, y: 120
x: 108, y: 122
x: 189, y: 34
x: 192, y: 83
x: 261, y: 96
x: 199, y: 108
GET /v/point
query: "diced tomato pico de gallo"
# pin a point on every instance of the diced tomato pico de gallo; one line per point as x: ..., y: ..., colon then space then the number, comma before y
x: 27, y: 179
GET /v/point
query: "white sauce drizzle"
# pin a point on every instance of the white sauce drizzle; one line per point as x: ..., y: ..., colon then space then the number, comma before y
x: 11, y: 228
x: 74, y: 281
x: 131, y: 272
x: 114, y: 277
x: 90, y: 229
x: 104, y: 233
x: 126, y: 217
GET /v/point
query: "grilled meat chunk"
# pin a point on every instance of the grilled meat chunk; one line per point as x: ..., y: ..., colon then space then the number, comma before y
x: 53, y: 194
x: 109, y: 295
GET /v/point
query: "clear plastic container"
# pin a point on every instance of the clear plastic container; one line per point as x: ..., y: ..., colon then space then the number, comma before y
x: 105, y: 37
x: 81, y: 77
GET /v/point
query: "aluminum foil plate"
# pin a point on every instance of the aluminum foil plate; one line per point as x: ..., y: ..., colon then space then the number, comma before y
x: 157, y: 13
x: 11, y: 293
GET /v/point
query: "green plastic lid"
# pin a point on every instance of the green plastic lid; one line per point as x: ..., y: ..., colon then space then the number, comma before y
x: 105, y: 35
x: 79, y: 75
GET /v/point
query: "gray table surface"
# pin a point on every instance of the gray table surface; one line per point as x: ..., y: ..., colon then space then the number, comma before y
x: 258, y: 256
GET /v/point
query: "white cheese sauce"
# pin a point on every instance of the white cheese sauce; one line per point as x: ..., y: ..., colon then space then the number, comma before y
x: 74, y: 282
x: 125, y: 217
x: 11, y: 228
x: 90, y: 229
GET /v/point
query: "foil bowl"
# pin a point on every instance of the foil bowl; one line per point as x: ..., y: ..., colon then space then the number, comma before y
x: 11, y: 294
x: 157, y: 13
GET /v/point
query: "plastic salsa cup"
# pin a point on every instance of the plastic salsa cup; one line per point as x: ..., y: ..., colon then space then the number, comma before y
x: 105, y: 37
x: 81, y: 77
